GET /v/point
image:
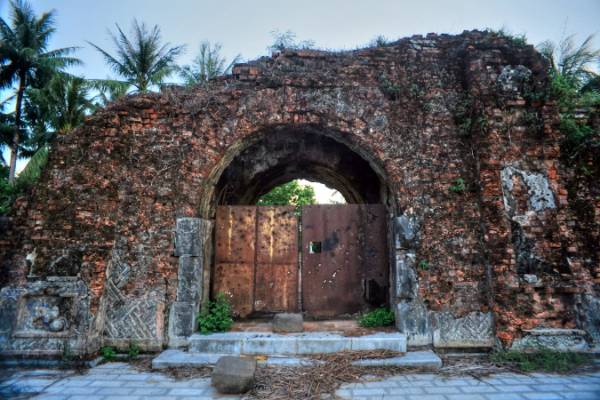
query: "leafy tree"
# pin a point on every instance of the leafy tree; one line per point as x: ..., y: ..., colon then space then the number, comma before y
x: 6, y: 130
x: 143, y: 61
x: 287, y: 40
x: 108, y: 90
x: 25, y: 61
x: 569, y: 61
x: 7, y: 191
x: 59, y: 107
x: 291, y: 193
x: 574, y: 84
x: 379, y: 41
x: 207, y: 65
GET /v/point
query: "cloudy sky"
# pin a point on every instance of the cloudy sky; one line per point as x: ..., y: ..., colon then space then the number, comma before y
x: 244, y: 27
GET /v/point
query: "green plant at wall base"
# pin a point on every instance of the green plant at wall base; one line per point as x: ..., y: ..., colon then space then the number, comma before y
x: 459, y: 186
x: 133, y: 350
x: 379, y: 317
x: 108, y: 353
x: 217, y: 317
x: 67, y: 354
x: 424, y: 265
x: 541, y: 360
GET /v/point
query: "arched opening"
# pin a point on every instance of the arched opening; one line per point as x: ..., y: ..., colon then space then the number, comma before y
x: 301, y: 192
x: 324, y: 260
x: 284, y: 155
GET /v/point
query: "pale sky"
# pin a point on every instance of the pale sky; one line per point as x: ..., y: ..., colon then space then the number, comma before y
x: 244, y: 27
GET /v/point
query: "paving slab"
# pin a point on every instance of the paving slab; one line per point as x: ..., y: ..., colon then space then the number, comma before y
x: 130, y: 383
x: 182, y: 359
x: 423, y: 359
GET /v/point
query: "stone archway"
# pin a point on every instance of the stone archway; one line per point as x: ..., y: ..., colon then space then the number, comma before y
x: 277, y: 155
x: 289, y: 152
x: 422, y: 114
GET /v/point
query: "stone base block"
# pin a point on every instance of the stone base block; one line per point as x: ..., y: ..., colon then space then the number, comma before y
x: 234, y: 375
x: 474, y: 330
x: 552, y: 339
x: 379, y: 341
x: 288, y: 323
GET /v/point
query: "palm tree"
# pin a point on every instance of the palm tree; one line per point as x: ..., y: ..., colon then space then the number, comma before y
x: 6, y: 130
x: 108, y: 90
x: 207, y: 65
x: 571, y: 62
x: 57, y: 108
x: 26, y: 61
x: 142, y: 61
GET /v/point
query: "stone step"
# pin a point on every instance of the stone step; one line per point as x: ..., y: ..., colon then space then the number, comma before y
x: 182, y: 359
x: 251, y: 343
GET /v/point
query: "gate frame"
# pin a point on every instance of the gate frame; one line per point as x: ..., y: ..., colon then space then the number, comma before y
x: 208, y: 202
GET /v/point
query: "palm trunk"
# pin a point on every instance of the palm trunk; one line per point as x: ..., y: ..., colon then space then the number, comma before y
x: 14, y: 147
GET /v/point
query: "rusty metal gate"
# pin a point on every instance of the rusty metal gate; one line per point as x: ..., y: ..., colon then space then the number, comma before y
x: 256, y: 258
x: 344, y: 268
x: 344, y: 259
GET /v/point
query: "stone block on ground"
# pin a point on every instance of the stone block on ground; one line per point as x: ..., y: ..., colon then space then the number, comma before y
x: 552, y: 339
x: 233, y: 375
x: 288, y: 323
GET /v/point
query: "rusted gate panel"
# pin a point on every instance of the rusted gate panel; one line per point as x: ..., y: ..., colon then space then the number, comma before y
x: 276, y: 284
x: 256, y: 258
x: 235, y: 256
x: 344, y: 258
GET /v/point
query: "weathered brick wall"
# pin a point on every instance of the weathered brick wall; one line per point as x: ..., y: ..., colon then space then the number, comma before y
x: 427, y: 111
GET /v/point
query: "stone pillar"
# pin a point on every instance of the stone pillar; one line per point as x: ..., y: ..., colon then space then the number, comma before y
x: 192, y: 238
x: 412, y: 316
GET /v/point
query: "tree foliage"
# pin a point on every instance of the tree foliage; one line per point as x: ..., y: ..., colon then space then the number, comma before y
x: 574, y: 84
x: 287, y: 40
x: 26, y: 62
x: 291, y: 193
x: 207, y: 65
x: 143, y: 61
x: 570, y: 61
x: 57, y: 108
x: 107, y: 90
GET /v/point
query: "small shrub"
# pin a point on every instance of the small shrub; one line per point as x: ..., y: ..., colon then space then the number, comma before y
x: 516, y: 39
x: 67, y: 354
x: 391, y: 90
x: 108, y: 353
x: 379, y: 41
x: 217, y: 317
x: 541, y: 360
x: 424, y: 265
x: 133, y: 350
x: 459, y: 186
x: 379, y: 317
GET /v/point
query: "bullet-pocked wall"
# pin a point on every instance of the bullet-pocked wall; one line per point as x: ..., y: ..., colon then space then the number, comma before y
x: 461, y: 144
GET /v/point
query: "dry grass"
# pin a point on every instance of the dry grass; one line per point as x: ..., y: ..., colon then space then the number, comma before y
x: 145, y: 364
x: 320, y: 380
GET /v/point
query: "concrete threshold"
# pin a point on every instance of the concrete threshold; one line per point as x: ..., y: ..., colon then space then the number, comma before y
x: 253, y: 343
x: 182, y: 359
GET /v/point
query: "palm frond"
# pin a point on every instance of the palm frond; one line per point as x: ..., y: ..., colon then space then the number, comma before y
x: 141, y: 59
